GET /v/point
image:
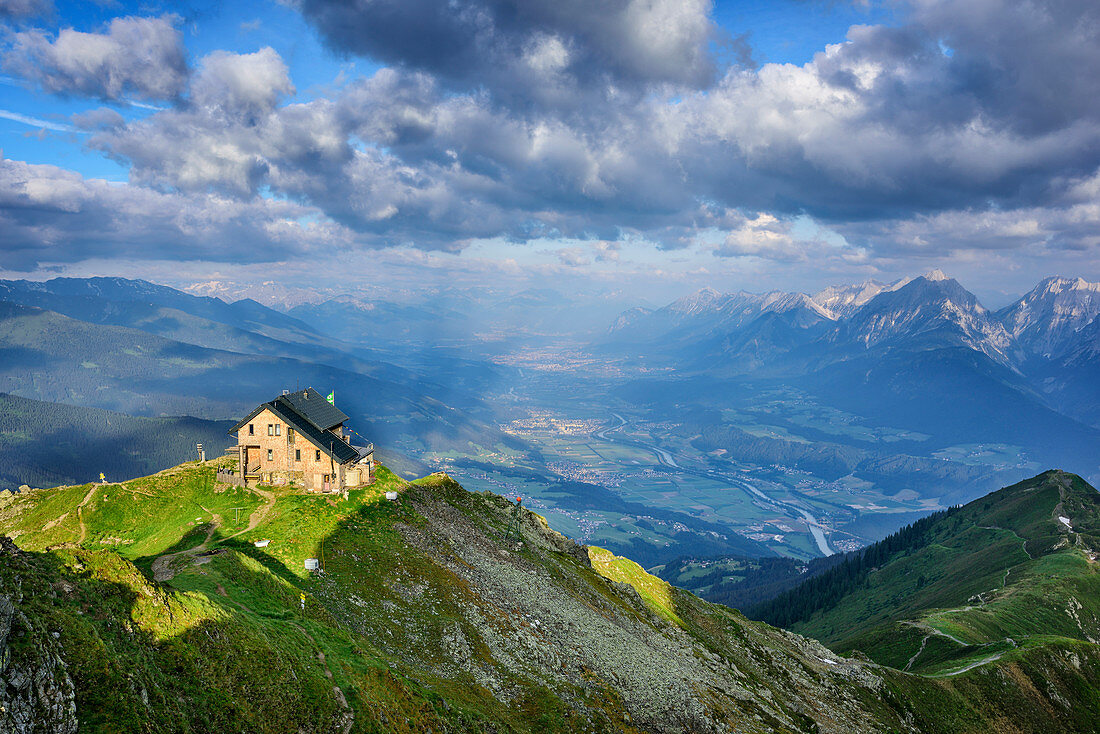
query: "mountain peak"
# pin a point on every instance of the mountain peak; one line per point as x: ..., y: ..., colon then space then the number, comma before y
x: 1047, y: 319
x: 844, y: 300
x: 933, y: 305
x: 1058, y: 284
x: 702, y: 300
x: 936, y: 274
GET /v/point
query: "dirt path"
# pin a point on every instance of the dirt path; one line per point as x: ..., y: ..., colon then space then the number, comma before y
x: 260, y: 514
x: 348, y: 717
x: 80, y: 513
x: 917, y: 653
x: 162, y: 565
x: 981, y: 662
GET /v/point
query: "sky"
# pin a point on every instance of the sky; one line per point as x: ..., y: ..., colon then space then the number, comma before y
x: 645, y: 148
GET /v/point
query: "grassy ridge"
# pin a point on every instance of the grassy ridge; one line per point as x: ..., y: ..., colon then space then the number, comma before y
x: 436, y: 612
x: 979, y: 581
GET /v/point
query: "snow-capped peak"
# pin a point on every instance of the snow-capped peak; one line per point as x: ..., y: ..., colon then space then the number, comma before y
x: 702, y: 300
x: 936, y: 274
x: 843, y: 300
x: 1046, y: 320
x: 926, y: 306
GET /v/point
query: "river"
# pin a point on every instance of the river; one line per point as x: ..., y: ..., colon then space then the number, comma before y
x: 665, y: 458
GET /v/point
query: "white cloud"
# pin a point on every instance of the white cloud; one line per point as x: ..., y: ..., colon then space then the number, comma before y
x: 142, y: 57
x: 48, y: 214
x: 607, y: 121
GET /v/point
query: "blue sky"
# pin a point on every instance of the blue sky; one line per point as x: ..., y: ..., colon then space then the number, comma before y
x: 681, y: 143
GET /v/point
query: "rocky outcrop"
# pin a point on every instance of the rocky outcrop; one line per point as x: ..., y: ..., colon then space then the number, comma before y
x: 36, y: 693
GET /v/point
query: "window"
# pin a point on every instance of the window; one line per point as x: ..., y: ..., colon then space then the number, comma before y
x: 289, y: 435
x: 251, y: 429
x: 270, y: 429
x: 317, y: 455
x: 270, y: 455
x: 297, y: 454
x: 278, y: 429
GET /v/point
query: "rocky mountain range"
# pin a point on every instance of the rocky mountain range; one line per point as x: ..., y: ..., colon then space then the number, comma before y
x: 1046, y: 322
x: 1052, y: 326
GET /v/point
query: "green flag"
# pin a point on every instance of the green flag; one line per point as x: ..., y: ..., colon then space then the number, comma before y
x: 332, y: 397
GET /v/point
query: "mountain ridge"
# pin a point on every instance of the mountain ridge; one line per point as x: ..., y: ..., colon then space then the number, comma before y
x: 1007, y: 570
x: 442, y: 610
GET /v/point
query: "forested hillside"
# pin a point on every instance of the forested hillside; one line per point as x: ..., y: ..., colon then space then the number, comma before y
x: 741, y: 582
x: 46, y: 444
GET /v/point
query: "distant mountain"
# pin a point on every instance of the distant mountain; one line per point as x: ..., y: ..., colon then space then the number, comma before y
x: 931, y: 311
x: 748, y: 332
x: 712, y: 330
x: 272, y: 293
x: 1072, y: 381
x: 844, y: 300
x: 1047, y: 320
x: 921, y: 354
x: 243, y: 326
x: 963, y: 587
x: 47, y: 356
x: 366, y: 322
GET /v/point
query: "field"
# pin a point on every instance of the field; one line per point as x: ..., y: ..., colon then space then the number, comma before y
x: 654, y: 464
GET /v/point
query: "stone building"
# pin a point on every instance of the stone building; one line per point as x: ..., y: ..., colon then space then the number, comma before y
x: 301, y: 438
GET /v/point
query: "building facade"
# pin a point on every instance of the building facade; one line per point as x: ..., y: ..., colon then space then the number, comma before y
x: 300, y: 438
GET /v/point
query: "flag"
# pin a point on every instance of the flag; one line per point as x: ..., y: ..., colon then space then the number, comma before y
x: 332, y: 397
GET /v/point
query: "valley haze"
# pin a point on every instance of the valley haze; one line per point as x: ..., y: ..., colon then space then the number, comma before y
x: 629, y: 366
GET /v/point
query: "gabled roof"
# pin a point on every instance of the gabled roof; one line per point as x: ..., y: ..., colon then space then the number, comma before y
x: 314, y: 407
x: 341, y: 451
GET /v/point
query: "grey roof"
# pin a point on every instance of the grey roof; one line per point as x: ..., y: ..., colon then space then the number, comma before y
x: 339, y: 449
x: 313, y: 406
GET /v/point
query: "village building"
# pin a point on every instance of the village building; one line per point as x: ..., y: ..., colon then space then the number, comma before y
x: 301, y: 438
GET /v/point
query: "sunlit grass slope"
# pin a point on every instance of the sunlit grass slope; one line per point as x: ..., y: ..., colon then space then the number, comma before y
x: 1005, y: 573
x: 444, y: 610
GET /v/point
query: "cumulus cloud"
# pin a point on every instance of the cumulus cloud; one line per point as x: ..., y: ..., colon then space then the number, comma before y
x: 49, y: 214
x: 241, y: 86
x: 221, y: 137
x: 536, y: 51
x: 526, y: 120
x: 139, y: 57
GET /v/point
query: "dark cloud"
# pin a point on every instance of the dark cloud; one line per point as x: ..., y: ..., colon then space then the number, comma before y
x: 135, y: 57
x: 539, y: 51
